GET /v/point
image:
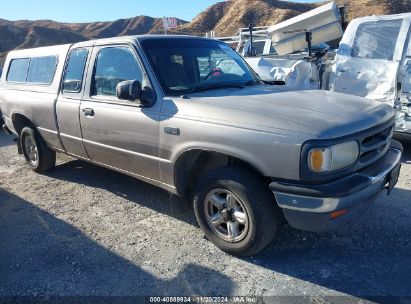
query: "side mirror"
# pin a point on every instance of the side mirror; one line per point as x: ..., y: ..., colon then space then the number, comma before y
x: 148, y: 97
x: 129, y: 90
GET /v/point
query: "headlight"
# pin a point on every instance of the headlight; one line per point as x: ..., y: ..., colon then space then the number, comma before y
x: 334, y: 157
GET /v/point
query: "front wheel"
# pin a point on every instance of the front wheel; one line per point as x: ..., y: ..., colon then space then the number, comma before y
x: 38, y: 156
x: 236, y: 211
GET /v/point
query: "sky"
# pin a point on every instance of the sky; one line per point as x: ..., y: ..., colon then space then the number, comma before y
x: 103, y: 10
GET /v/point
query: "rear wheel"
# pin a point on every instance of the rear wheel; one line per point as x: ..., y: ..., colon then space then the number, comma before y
x: 38, y: 156
x: 236, y: 211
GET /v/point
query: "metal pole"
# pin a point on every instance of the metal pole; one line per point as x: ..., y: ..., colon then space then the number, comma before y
x: 164, y: 25
x: 343, y: 21
x: 308, y: 38
x: 251, y: 50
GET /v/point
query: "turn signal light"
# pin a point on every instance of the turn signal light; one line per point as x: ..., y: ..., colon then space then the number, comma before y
x: 320, y: 160
x: 332, y: 158
x: 338, y: 213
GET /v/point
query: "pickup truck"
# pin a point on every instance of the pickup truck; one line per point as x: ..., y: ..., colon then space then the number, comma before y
x: 248, y: 155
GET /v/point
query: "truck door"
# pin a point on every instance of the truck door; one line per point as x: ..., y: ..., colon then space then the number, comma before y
x: 68, y: 103
x: 369, y: 58
x: 118, y: 133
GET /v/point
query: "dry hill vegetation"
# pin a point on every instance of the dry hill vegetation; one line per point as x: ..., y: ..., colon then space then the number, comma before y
x: 360, y: 8
x: 224, y: 18
x: 27, y: 34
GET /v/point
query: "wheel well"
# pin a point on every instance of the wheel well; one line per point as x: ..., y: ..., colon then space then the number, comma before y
x: 192, y: 165
x: 20, y: 121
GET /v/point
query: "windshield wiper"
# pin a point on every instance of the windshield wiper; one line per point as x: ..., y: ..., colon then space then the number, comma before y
x: 200, y: 88
x: 252, y: 82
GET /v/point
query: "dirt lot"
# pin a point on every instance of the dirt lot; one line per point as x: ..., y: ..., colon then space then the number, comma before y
x: 84, y: 230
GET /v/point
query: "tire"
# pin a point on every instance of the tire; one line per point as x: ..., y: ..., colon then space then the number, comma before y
x: 254, y: 223
x: 38, y: 156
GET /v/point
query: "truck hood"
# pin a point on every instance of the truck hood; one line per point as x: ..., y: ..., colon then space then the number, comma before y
x: 321, y: 114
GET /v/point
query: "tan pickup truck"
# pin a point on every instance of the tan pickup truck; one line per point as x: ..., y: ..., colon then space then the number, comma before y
x: 188, y: 115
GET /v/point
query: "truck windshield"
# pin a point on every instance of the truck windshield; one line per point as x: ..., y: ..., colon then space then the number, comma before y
x: 189, y: 65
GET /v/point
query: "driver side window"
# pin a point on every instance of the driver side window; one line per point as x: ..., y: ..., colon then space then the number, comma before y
x: 114, y: 65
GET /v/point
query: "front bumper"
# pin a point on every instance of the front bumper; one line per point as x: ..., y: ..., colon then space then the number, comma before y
x: 312, y: 207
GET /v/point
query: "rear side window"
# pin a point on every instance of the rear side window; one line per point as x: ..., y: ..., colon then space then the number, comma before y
x: 18, y: 70
x: 259, y: 47
x: 73, y: 79
x: 38, y: 70
x: 42, y: 69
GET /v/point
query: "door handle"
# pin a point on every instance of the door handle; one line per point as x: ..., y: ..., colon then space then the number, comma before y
x: 88, y: 112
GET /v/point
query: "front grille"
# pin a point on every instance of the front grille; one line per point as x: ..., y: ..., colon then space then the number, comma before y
x: 373, y: 146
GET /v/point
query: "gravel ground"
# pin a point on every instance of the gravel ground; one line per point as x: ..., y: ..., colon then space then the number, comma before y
x: 84, y: 230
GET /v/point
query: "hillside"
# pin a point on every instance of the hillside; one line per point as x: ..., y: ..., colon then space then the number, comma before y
x: 94, y: 30
x: 15, y: 37
x: 360, y: 8
x: 224, y: 18
x: 27, y: 34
